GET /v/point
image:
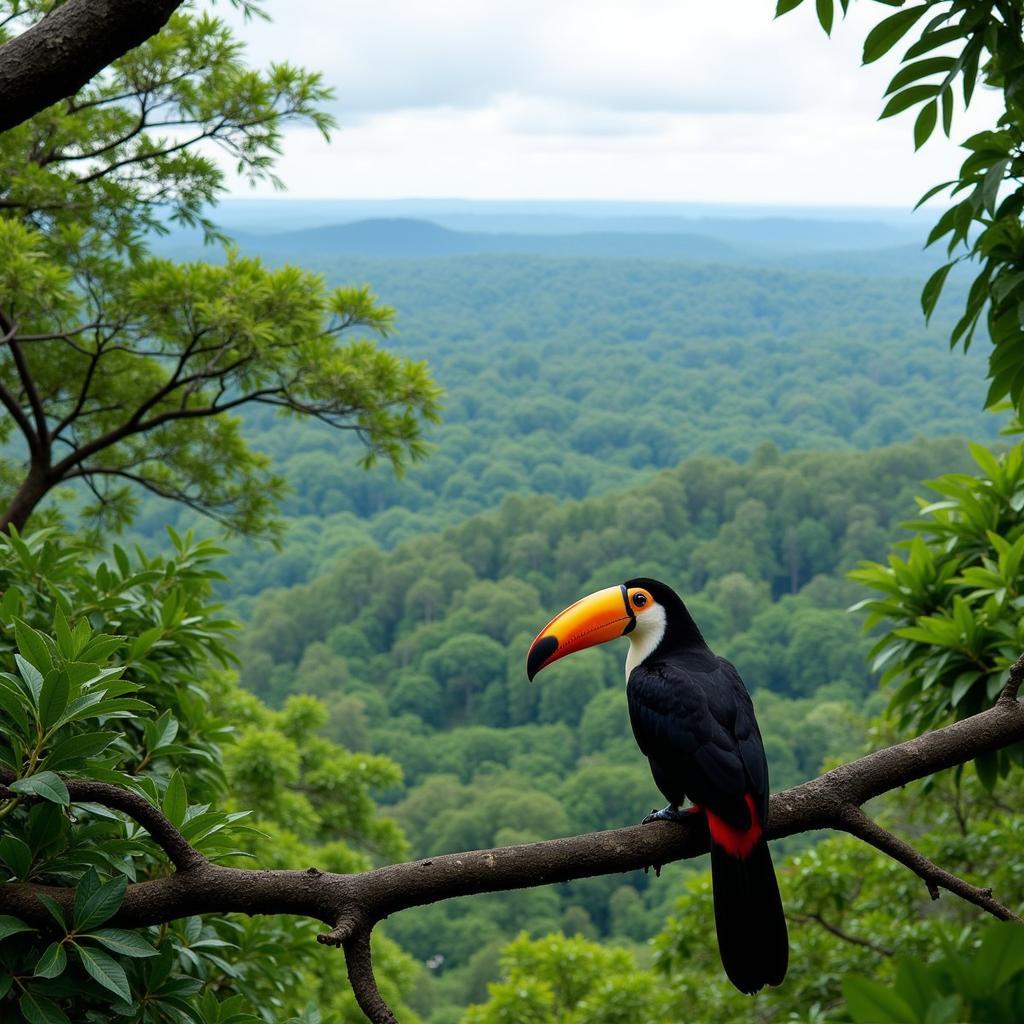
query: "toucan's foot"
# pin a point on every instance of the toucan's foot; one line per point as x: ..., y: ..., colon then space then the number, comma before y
x: 669, y: 813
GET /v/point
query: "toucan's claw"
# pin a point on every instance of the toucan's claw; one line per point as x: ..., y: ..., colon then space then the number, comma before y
x: 669, y: 813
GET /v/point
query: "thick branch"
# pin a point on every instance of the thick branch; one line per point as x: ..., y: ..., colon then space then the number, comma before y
x: 352, y: 904
x: 75, y: 41
x: 364, y: 984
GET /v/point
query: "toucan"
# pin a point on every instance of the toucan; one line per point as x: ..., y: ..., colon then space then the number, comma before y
x: 693, y: 719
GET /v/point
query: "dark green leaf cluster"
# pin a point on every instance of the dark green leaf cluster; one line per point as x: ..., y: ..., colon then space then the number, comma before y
x: 951, y: 602
x: 116, y: 672
x: 983, y: 984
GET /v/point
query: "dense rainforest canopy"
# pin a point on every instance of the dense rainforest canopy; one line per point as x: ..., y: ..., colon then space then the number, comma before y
x: 757, y: 435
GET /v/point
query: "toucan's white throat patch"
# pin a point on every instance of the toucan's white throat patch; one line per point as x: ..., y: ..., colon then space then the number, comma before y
x: 650, y: 628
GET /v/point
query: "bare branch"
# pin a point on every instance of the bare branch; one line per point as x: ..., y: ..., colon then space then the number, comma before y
x: 61, y: 52
x: 858, y: 824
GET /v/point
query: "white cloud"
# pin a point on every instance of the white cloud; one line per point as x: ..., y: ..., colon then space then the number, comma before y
x: 660, y: 99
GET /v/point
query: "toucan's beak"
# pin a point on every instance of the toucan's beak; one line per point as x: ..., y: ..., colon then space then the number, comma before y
x: 596, y: 619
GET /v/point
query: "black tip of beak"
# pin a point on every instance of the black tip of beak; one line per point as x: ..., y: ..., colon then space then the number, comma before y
x: 539, y: 653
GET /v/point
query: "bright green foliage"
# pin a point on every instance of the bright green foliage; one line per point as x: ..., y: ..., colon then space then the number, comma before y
x: 961, y: 44
x: 117, y: 673
x: 561, y: 980
x: 118, y: 368
x: 951, y: 602
x: 986, y: 984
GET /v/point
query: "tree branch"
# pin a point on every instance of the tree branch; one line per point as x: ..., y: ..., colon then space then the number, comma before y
x: 61, y: 52
x: 350, y: 905
x: 858, y: 824
x: 832, y: 929
x: 364, y: 984
x: 160, y: 828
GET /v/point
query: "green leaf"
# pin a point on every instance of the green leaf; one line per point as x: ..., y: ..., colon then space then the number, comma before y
x: 32, y: 646
x: 56, y: 912
x: 825, y: 14
x: 889, y: 31
x: 46, y: 785
x: 94, y: 906
x: 990, y: 184
x: 119, y: 940
x: 902, y: 100
x: 175, y: 801
x: 31, y: 675
x: 53, y: 698
x: 785, y: 6
x: 921, y: 69
x: 52, y: 962
x: 925, y: 123
x: 14, y: 703
x: 37, y: 1009
x: 73, y: 749
x: 1000, y: 957
x: 987, y: 767
x: 12, y: 926
x: 15, y: 853
x: 870, y: 1003
x: 106, y: 970
x: 933, y: 289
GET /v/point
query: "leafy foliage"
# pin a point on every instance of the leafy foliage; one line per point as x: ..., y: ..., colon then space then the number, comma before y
x: 119, y: 368
x: 117, y: 673
x: 951, y: 603
x: 967, y: 42
x: 986, y: 985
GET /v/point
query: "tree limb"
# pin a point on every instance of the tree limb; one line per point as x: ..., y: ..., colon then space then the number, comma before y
x: 350, y: 905
x: 161, y: 830
x: 61, y: 52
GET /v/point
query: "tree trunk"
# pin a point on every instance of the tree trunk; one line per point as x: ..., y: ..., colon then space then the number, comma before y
x: 33, y: 489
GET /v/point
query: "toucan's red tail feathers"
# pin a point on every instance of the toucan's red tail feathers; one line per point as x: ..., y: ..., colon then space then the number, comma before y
x: 751, y: 924
x: 738, y: 842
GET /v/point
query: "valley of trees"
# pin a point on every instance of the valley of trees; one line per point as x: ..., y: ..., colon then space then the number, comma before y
x: 573, y: 378
x: 205, y: 746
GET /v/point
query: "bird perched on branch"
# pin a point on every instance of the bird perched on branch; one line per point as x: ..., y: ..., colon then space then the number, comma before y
x: 693, y: 719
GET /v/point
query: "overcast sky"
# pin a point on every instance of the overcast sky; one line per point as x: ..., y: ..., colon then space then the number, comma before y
x: 688, y: 100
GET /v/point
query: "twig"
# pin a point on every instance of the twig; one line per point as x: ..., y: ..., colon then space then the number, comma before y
x: 857, y: 823
x: 832, y: 929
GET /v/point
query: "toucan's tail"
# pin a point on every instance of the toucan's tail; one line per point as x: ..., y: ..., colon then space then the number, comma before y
x: 752, y: 937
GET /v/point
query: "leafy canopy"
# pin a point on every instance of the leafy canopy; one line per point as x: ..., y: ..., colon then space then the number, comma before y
x: 117, y: 368
x: 957, y: 44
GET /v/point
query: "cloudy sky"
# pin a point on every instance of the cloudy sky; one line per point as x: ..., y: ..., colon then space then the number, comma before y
x: 687, y: 100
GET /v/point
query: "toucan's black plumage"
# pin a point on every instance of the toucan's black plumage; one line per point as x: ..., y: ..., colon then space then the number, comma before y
x: 693, y: 719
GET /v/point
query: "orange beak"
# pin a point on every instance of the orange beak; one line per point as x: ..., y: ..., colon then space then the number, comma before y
x: 593, y: 620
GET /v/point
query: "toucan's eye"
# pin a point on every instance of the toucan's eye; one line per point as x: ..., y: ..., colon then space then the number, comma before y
x: 639, y: 600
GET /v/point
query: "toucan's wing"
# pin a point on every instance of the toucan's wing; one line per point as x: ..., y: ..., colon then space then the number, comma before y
x: 698, y: 729
x: 748, y: 738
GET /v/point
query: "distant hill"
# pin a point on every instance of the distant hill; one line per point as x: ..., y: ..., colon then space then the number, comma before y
x: 408, y: 238
x: 865, y: 247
